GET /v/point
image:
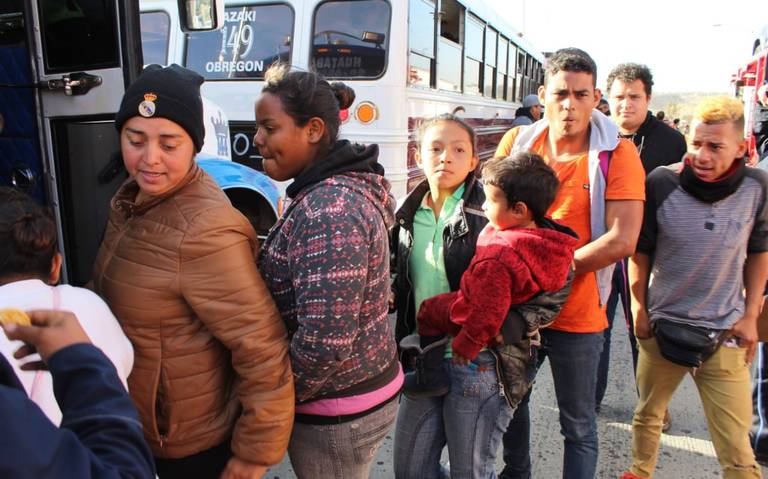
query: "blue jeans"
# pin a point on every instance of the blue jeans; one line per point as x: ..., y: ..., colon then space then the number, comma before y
x: 340, y: 451
x: 470, y: 420
x: 573, y: 358
x: 619, y: 292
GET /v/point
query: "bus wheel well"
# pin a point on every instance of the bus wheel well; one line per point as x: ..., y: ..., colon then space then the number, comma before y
x: 255, y: 207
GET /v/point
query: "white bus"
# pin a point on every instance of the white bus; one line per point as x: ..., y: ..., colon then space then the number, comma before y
x: 406, y: 59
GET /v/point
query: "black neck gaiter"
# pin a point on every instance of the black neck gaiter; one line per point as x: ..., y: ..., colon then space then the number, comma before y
x: 711, y: 191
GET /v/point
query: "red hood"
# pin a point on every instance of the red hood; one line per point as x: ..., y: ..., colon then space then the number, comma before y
x: 547, y: 252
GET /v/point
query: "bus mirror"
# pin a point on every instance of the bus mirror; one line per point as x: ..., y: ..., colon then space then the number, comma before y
x: 201, y: 15
x: 373, y: 37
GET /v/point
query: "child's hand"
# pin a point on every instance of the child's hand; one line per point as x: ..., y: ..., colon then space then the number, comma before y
x: 460, y: 360
x: 49, y: 332
x: 535, y: 338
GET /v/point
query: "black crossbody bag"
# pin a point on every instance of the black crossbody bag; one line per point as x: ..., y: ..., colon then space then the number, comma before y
x: 686, y: 345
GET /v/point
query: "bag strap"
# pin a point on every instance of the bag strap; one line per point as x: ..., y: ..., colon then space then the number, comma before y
x: 39, y: 374
x: 605, y: 161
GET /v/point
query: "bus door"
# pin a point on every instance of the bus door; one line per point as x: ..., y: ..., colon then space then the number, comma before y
x: 20, y: 159
x: 82, y: 53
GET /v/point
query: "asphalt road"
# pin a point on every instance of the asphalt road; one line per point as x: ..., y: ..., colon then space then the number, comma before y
x: 686, y: 451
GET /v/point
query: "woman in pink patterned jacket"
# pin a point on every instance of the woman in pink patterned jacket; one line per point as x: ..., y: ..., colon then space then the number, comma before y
x: 326, y: 262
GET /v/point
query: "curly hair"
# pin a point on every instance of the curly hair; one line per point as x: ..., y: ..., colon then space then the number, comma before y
x: 629, y: 72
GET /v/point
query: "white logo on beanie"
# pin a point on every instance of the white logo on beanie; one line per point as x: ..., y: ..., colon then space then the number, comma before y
x: 147, y: 107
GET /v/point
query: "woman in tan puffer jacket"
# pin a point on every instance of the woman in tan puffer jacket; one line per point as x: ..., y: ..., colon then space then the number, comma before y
x: 212, y: 378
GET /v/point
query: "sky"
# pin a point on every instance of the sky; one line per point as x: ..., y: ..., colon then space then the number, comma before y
x: 690, y: 46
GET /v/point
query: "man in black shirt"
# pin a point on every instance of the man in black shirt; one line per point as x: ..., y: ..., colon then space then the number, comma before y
x: 629, y: 89
x: 759, y: 432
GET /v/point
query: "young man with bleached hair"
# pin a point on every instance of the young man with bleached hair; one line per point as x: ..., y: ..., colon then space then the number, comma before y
x: 705, y: 242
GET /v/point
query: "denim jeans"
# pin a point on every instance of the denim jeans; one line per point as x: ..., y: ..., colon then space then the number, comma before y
x: 619, y: 292
x: 470, y: 420
x: 340, y: 451
x: 573, y: 358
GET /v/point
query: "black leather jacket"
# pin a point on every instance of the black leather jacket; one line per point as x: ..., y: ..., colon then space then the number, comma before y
x: 459, y: 240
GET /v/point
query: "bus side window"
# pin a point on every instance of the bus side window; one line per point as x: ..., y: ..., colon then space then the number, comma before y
x: 473, y: 55
x: 449, y: 48
x: 79, y: 35
x: 421, y: 42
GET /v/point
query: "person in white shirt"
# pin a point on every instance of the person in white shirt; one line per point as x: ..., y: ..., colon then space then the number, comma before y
x: 30, y: 264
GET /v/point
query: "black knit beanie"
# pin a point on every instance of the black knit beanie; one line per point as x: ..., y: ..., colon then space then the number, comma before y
x: 171, y: 92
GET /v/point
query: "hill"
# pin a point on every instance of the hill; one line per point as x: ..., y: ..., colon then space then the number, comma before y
x: 678, y: 105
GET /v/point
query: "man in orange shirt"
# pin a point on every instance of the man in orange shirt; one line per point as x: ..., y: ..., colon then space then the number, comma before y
x: 601, y: 198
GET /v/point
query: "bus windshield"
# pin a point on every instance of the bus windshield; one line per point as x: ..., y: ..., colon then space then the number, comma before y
x: 349, y: 39
x: 252, y: 38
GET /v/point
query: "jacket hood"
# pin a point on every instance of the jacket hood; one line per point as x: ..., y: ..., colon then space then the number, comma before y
x: 603, y: 133
x: 351, y: 166
x: 548, y: 252
x: 344, y: 157
x: 375, y: 188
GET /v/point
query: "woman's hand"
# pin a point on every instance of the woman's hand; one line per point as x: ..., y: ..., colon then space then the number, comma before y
x: 239, y: 469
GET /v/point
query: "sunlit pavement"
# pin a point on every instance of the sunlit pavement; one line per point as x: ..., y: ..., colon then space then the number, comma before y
x: 686, y: 451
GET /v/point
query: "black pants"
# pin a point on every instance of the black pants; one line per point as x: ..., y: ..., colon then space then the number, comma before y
x: 207, y: 464
x: 759, y: 433
x: 619, y: 293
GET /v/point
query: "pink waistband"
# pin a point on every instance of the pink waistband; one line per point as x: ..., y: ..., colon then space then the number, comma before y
x: 352, y: 404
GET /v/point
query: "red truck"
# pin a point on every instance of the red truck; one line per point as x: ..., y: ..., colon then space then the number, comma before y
x: 746, y: 82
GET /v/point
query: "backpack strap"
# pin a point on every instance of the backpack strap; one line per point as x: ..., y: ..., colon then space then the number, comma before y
x: 605, y: 161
